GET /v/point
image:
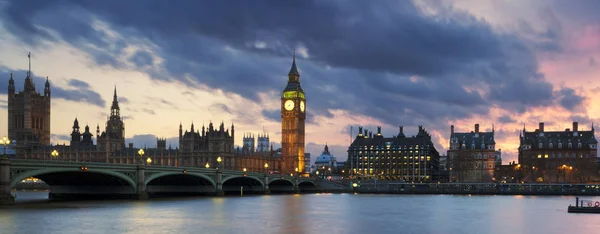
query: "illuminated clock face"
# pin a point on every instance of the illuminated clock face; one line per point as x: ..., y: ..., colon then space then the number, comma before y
x: 302, y: 106
x: 289, y: 105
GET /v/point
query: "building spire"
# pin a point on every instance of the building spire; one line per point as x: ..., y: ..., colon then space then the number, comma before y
x: 294, y: 70
x: 29, y: 56
x: 115, y: 104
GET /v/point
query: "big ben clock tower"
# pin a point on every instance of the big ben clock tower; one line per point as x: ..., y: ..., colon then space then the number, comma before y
x: 293, y: 114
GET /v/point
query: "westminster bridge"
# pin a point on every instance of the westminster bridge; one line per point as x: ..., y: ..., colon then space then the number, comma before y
x: 67, y: 179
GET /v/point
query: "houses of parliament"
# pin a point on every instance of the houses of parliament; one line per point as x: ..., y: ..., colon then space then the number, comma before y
x: 29, y: 125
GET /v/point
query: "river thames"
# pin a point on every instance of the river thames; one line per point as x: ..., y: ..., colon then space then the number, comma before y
x: 310, y: 213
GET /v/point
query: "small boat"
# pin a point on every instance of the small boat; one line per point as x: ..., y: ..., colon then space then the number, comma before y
x: 585, y: 206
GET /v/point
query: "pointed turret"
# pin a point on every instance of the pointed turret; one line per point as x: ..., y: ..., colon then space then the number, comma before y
x: 293, y: 69
x: 76, y: 124
x: 47, y: 87
x: 11, y: 85
x: 115, y: 104
x: 326, y: 150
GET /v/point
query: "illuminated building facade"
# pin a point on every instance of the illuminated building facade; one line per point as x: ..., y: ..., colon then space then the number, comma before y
x: 558, y: 156
x: 293, y: 115
x: 472, y: 156
x: 397, y: 158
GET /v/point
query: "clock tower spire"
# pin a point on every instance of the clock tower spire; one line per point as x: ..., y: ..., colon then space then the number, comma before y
x: 293, y: 116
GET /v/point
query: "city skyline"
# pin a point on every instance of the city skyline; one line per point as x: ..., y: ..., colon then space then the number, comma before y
x: 537, y: 66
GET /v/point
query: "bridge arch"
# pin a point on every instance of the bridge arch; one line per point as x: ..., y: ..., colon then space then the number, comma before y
x: 163, y: 174
x: 48, y: 171
x: 242, y: 177
x: 306, y: 183
x: 307, y: 186
x: 235, y: 184
x: 279, y: 180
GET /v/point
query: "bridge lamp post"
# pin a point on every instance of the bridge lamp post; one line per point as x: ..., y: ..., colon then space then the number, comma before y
x: 244, y: 171
x: 266, y: 168
x: 141, y: 153
x: 218, y: 162
x: 207, y: 165
x: 149, y: 160
x: 4, y: 142
x: 54, y: 154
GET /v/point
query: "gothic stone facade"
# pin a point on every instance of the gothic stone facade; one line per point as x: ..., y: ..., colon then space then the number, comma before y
x: 28, y: 114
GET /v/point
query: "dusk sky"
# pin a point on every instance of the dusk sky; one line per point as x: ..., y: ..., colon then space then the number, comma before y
x: 389, y: 63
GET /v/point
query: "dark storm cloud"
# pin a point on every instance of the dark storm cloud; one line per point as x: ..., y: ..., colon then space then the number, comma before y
x: 141, y: 58
x: 77, y: 90
x: 506, y: 119
x: 383, y: 59
x: 568, y: 99
x: 78, y: 84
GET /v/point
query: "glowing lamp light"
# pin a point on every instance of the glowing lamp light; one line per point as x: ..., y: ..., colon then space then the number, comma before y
x: 5, y: 141
x: 354, y: 185
x: 149, y: 160
x: 219, y: 159
x: 54, y: 153
x: 207, y: 165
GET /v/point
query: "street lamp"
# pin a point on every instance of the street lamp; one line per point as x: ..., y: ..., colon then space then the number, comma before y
x: 266, y: 167
x: 207, y: 165
x: 149, y: 160
x: 141, y: 153
x: 54, y: 154
x: 218, y: 162
x: 4, y: 142
x: 244, y: 171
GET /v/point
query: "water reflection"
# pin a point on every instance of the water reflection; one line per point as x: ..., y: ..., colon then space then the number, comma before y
x: 318, y: 213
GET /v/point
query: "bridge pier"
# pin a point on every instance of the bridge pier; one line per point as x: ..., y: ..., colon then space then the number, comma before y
x: 141, y: 191
x: 267, y: 190
x: 220, y: 191
x: 6, y: 198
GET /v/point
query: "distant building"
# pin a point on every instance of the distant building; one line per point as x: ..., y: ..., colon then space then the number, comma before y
x: 28, y: 114
x: 110, y: 147
x: 395, y: 158
x: 558, y: 156
x: 325, y: 163
x: 307, y: 163
x: 472, y: 156
x: 253, y: 158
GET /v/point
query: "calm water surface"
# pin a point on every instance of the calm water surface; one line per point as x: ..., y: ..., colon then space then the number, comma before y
x: 315, y: 213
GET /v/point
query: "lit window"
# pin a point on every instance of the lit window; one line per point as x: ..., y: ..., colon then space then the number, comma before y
x: 539, y: 156
x: 546, y: 156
